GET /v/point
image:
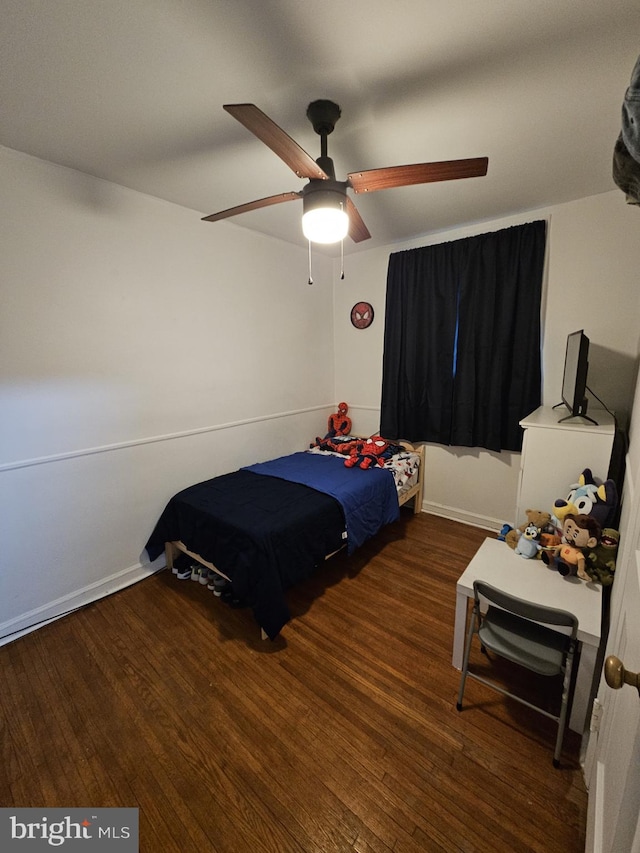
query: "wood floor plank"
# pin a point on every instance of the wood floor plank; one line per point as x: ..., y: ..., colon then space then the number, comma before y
x: 341, y: 735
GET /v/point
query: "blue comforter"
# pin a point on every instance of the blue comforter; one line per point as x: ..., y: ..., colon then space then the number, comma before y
x: 368, y: 498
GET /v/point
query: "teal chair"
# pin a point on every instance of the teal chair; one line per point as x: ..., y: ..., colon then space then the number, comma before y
x: 510, y: 629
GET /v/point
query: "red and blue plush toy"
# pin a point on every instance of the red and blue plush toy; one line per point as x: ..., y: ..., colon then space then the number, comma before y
x: 371, y: 451
x: 339, y: 423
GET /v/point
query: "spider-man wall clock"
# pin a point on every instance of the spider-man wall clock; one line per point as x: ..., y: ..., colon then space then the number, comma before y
x: 362, y: 315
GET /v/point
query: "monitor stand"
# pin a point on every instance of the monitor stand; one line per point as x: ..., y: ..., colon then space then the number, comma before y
x: 581, y: 414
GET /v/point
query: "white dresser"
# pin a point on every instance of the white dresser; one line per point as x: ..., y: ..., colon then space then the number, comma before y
x: 555, y: 454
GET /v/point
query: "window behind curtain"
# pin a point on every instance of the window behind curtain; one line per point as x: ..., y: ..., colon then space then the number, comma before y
x: 461, y: 362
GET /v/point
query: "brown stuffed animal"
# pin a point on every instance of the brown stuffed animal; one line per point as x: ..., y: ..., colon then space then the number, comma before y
x: 580, y: 533
x: 542, y: 520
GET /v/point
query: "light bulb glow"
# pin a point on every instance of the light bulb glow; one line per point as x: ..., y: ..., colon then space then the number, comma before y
x: 325, y: 224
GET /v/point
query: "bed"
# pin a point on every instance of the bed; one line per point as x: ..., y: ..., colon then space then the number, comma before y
x: 269, y: 526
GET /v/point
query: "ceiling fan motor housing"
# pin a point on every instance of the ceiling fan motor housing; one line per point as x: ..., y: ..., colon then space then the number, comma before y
x: 320, y: 193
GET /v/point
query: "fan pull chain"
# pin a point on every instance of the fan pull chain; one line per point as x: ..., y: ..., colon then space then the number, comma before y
x: 341, y: 263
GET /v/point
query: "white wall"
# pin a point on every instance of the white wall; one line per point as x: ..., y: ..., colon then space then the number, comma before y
x: 141, y: 350
x: 591, y: 282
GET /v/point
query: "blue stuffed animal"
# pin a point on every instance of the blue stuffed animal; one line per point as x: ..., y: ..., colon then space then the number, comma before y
x: 529, y: 542
x: 586, y: 497
x: 502, y: 534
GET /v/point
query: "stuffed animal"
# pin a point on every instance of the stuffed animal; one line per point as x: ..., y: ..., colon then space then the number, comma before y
x: 338, y: 444
x: 549, y: 541
x: 339, y: 423
x: 579, y: 534
x: 504, y: 530
x: 600, y: 562
x: 370, y: 451
x: 528, y: 543
x: 542, y: 520
x: 586, y: 497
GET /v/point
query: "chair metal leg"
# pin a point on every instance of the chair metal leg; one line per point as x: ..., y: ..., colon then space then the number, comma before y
x: 562, y: 719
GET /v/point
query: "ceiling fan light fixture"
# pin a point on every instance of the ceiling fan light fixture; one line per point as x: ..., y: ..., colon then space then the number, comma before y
x: 325, y: 225
x: 325, y: 218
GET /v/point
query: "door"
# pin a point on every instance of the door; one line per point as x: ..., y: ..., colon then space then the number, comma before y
x: 612, y: 764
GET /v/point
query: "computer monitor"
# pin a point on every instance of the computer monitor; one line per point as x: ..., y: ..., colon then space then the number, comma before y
x: 574, y: 377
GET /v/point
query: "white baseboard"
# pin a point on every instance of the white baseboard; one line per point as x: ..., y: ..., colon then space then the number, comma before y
x: 450, y: 512
x: 27, y: 622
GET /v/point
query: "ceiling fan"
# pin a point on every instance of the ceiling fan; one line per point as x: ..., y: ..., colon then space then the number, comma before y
x: 328, y: 212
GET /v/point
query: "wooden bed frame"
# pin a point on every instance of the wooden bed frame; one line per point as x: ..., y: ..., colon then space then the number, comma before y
x: 173, y: 549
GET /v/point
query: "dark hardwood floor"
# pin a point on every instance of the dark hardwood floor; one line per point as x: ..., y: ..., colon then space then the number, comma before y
x: 342, y: 735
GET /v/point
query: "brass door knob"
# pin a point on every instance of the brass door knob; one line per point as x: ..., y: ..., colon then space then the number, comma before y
x: 616, y: 675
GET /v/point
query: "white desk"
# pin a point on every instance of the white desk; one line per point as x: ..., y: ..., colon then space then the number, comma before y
x: 499, y: 565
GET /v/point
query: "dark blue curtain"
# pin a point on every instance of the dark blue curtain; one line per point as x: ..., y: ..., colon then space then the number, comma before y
x: 461, y: 361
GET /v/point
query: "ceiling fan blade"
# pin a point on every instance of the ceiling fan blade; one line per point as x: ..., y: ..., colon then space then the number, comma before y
x: 276, y: 139
x: 420, y: 173
x: 358, y: 231
x: 251, y: 205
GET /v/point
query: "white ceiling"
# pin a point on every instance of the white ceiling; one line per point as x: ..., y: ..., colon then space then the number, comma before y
x: 132, y: 91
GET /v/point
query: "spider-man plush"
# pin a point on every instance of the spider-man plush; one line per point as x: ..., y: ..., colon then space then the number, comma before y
x: 339, y: 423
x: 339, y: 444
x: 371, y: 451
